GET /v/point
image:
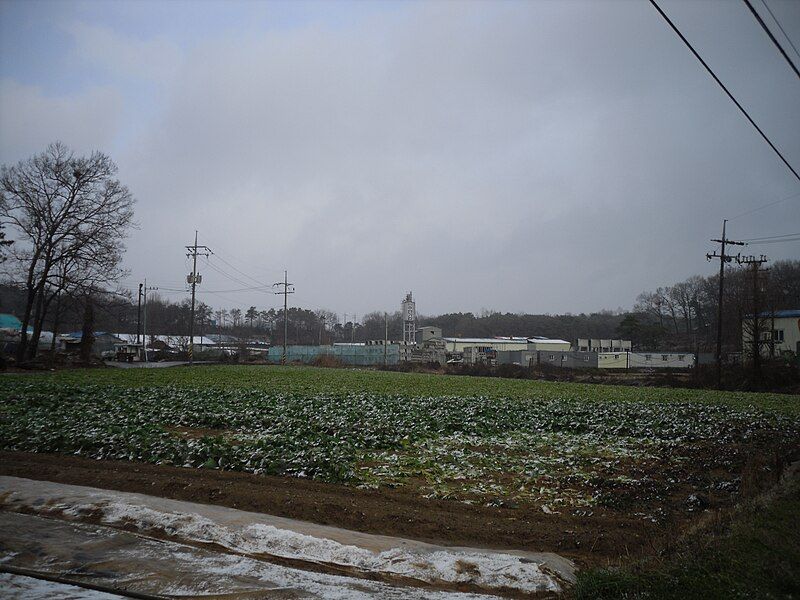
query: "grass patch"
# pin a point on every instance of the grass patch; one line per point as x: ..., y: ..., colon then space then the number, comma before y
x: 754, y: 552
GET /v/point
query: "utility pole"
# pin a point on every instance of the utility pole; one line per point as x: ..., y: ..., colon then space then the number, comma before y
x: 385, y: 338
x: 139, y: 314
x: 353, y: 329
x: 755, y: 328
x: 321, y: 328
x: 286, y: 291
x: 145, y: 289
x: 723, y: 258
x: 194, y: 279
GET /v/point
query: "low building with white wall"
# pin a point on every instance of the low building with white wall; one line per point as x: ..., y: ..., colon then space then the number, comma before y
x: 780, y: 333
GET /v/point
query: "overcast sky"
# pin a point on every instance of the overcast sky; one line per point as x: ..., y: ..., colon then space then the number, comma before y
x: 535, y: 156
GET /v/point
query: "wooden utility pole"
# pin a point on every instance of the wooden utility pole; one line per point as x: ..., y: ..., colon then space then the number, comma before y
x: 145, y: 289
x: 755, y: 329
x: 139, y: 314
x: 193, y: 278
x: 286, y: 291
x: 385, y: 338
x: 723, y: 258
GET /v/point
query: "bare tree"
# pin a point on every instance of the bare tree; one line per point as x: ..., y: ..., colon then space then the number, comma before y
x: 3, y: 243
x: 64, y: 210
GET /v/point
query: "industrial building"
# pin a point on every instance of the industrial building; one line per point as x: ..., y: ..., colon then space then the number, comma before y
x: 501, y: 344
x: 601, y: 345
x: 577, y: 359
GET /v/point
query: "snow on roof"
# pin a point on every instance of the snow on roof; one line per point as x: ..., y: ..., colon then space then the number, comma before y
x: 505, y: 340
x: 170, y: 340
x: 485, y: 340
x: 779, y: 314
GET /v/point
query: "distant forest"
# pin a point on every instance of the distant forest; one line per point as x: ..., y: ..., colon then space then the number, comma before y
x: 679, y: 316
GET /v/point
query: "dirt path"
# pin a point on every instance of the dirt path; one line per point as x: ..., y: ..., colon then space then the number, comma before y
x: 590, y: 540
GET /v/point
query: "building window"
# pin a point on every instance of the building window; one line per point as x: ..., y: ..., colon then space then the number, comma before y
x: 681, y: 356
x: 585, y: 359
x: 648, y: 356
x: 552, y: 357
x: 616, y: 356
x: 664, y: 357
x: 777, y: 335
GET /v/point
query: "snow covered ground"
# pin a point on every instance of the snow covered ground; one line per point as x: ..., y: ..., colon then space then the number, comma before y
x: 19, y: 587
x: 268, y: 538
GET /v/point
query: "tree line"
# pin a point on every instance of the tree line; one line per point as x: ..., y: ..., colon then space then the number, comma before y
x: 68, y: 217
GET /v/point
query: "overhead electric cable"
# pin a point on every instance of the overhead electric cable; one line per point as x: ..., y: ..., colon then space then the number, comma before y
x: 751, y: 211
x: 771, y: 237
x: 778, y: 23
x: 239, y: 271
x: 772, y: 37
x: 237, y: 280
x: 725, y: 89
x: 784, y: 240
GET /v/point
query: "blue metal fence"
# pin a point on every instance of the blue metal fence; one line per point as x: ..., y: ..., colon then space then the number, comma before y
x: 349, y: 355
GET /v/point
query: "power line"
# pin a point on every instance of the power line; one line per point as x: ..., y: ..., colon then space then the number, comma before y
x: 233, y: 278
x: 240, y: 271
x: 772, y: 37
x: 750, y: 212
x: 725, y: 89
x: 771, y: 237
x: 778, y: 23
x: 795, y: 239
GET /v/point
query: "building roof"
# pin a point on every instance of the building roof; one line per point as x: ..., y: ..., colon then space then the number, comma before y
x: 487, y: 340
x: 8, y: 321
x: 169, y: 339
x: 78, y: 335
x: 779, y: 314
x: 505, y: 340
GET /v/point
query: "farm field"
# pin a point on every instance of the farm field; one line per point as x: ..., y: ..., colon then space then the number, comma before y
x: 591, y: 471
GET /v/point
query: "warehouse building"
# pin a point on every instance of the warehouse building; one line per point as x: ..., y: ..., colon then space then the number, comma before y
x: 505, y: 344
x: 601, y: 345
x: 577, y: 359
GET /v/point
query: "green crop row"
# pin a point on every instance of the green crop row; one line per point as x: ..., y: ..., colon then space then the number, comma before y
x: 534, y: 448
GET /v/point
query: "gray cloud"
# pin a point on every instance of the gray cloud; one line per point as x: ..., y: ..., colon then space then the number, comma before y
x: 542, y: 156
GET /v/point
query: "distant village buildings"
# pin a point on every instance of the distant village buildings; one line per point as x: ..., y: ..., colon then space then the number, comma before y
x: 779, y: 334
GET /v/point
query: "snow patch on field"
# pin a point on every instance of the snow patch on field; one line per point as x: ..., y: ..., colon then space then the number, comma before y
x: 431, y: 564
x: 486, y: 570
x: 20, y: 587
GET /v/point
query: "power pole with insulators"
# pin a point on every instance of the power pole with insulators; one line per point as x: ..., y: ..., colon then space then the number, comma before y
x: 139, y: 315
x: 286, y: 291
x: 145, y: 289
x: 723, y: 258
x: 755, y: 329
x: 193, y: 278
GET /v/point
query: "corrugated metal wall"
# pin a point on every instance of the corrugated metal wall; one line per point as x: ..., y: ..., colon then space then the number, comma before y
x: 350, y: 355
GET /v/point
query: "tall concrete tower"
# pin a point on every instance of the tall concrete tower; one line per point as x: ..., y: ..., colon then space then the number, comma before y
x: 409, y: 320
